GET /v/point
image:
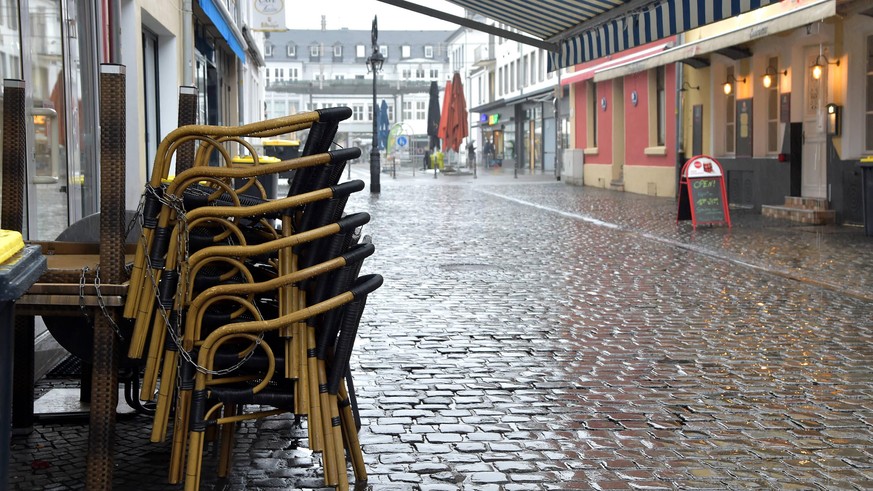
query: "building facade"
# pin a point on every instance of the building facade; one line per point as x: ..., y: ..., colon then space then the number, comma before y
x: 316, y: 69
x: 516, y: 104
x: 779, y: 96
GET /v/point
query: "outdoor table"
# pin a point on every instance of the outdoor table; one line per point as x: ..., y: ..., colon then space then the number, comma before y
x: 17, y: 274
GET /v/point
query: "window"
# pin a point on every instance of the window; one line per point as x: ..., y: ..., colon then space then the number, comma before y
x: 406, y: 73
x: 384, y: 50
x: 291, y: 50
x: 420, y: 110
x: 280, y: 74
x: 730, y: 118
x: 660, y: 106
x: 268, y: 49
x: 533, y: 67
x: 339, y: 77
x: 773, y: 112
x: 434, y: 73
x: 405, y: 51
x: 358, y: 113
x: 360, y: 51
x: 293, y: 74
x: 407, y: 110
x: 419, y: 73
x: 369, y: 112
x: 512, y: 77
x: 428, y: 51
x: 314, y: 51
x: 593, y: 105
x: 523, y: 80
x: 390, y: 112
x: 869, y: 107
x: 338, y: 51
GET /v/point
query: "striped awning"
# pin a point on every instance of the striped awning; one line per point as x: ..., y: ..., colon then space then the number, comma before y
x: 576, y: 31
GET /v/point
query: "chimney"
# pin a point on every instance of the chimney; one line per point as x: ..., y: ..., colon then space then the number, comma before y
x: 323, y: 22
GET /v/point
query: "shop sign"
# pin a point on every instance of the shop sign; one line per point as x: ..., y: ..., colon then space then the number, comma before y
x: 493, y: 119
x: 702, y: 193
x: 269, y: 16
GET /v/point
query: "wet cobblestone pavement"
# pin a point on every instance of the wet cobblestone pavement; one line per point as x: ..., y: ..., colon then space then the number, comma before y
x: 536, y: 336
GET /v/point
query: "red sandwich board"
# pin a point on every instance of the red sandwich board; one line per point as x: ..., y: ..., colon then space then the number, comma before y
x: 702, y: 193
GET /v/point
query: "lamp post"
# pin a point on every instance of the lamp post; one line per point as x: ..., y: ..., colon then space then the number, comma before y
x: 374, y: 64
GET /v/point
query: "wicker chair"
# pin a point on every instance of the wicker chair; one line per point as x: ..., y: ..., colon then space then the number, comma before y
x: 214, y: 395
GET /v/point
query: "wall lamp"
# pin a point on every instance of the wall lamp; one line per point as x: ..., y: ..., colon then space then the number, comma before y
x: 770, y: 75
x: 729, y: 84
x: 686, y: 86
x: 818, y: 66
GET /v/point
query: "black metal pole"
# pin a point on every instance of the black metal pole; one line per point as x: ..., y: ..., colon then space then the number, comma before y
x: 375, y: 187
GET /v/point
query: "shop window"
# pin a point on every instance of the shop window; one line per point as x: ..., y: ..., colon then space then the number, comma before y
x: 773, y: 113
x: 593, y: 106
x: 869, y: 107
x: 661, y: 106
x: 730, y: 119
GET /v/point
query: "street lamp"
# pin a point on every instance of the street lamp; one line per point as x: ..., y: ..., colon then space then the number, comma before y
x: 374, y: 64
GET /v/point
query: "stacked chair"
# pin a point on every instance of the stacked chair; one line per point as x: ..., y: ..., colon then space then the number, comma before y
x: 246, y: 307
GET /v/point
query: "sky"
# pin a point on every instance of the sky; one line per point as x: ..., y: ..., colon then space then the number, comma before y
x: 358, y: 14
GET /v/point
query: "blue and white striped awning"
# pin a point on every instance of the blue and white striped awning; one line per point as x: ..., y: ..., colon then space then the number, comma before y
x: 650, y: 22
x: 576, y: 31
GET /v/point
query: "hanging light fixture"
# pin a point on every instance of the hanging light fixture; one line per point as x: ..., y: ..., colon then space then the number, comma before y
x: 818, y: 67
x: 729, y: 84
x: 770, y: 76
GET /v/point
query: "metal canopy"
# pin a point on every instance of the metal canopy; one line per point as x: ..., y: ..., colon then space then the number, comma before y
x: 576, y: 31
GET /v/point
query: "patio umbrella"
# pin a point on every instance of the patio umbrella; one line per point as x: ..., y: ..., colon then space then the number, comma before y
x: 444, y: 115
x: 382, y: 125
x: 433, y: 116
x: 456, y: 114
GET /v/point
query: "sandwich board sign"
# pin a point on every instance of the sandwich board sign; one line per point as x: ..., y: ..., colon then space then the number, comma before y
x: 702, y: 193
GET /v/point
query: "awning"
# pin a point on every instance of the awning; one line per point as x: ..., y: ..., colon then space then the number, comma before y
x: 220, y: 17
x: 587, y: 72
x: 776, y: 18
x: 576, y: 31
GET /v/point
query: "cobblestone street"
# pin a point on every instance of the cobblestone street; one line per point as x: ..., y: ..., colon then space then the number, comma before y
x: 532, y: 335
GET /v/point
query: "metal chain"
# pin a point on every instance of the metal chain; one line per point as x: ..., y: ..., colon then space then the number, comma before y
x: 82, y: 306
x: 100, y: 301
x: 102, y: 304
x: 176, y: 203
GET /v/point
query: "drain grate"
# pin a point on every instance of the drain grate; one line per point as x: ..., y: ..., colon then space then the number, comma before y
x: 469, y: 267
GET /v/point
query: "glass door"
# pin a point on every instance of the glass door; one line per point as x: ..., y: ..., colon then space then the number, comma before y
x: 63, y: 173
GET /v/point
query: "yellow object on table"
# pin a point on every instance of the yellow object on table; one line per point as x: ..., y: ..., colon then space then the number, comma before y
x: 10, y: 243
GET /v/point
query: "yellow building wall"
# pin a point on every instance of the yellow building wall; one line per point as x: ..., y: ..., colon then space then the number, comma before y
x: 597, y: 175
x: 650, y: 180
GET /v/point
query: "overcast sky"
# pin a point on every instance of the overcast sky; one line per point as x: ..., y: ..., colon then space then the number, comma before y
x: 358, y: 14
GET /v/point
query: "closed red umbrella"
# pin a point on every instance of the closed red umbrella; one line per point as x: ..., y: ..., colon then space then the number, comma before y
x: 444, y: 116
x: 454, y: 114
x: 458, y: 113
